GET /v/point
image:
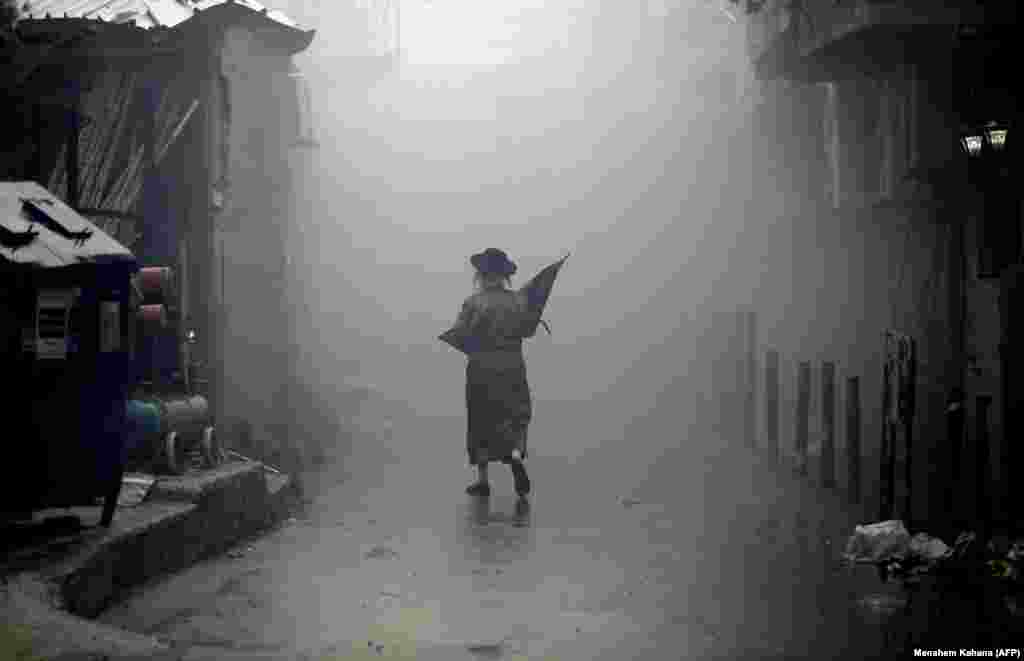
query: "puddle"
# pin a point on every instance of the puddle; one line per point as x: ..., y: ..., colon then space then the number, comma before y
x: 884, y: 605
x: 381, y: 553
x: 486, y: 650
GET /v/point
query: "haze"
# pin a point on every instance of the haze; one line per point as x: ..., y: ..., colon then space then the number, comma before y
x: 538, y: 128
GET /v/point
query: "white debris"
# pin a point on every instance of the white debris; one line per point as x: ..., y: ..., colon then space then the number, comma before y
x: 927, y: 548
x: 878, y: 541
x: 134, y: 489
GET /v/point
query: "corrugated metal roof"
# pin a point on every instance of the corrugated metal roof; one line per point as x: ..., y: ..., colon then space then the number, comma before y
x: 145, y: 13
x: 50, y: 249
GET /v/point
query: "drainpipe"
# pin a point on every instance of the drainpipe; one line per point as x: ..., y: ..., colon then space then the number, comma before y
x: 956, y: 404
x: 956, y: 414
x: 72, y: 154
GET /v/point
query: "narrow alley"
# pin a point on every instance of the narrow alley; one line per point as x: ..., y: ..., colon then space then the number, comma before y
x: 242, y: 247
x: 686, y: 549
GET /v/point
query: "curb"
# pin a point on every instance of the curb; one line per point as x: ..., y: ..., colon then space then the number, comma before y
x: 198, y: 517
x: 182, y: 521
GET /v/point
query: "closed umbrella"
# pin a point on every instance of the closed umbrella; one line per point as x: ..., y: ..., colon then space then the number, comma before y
x: 535, y: 294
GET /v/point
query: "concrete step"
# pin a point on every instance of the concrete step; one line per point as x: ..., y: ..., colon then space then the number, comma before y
x: 51, y: 587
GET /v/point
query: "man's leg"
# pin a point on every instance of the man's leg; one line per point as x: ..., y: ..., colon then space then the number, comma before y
x: 481, y: 487
x: 522, y: 480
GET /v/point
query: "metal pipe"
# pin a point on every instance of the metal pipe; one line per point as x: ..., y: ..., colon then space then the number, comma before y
x: 71, y: 156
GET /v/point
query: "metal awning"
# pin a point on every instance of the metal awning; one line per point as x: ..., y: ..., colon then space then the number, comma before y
x: 38, y: 229
x: 165, y: 15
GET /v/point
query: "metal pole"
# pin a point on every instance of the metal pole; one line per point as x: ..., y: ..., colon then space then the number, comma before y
x: 828, y: 416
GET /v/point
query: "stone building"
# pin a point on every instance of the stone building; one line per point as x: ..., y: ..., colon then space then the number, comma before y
x: 873, y: 218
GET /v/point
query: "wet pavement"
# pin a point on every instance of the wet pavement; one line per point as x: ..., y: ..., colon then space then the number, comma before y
x: 640, y: 542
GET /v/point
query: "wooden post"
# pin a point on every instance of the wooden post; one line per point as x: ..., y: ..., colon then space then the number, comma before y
x: 955, y: 420
x: 803, y: 411
x: 750, y: 407
x: 1009, y: 400
x: 888, y: 455
x: 828, y: 417
x: 908, y: 433
x: 734, y: 411
x: 853, y: 438
x: 771, y: 402
x: 982, y: 468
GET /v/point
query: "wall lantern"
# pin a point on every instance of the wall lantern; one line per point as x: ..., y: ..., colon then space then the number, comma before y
x: 999, y: 240
x: 975, y: 140
x: 191, y: 336
x: 996, y: 135
x: 971, y: 143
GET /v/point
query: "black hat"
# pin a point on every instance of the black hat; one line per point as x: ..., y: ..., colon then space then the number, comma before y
x: 493, y: 261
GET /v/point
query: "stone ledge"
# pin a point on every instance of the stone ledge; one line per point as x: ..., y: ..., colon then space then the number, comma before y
x: 50, y: 587
x: 195, y: 486
x: 184, y: 520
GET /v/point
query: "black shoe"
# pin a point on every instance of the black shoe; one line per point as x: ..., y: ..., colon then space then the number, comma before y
x: 521, y: 478
x: 479, y: 489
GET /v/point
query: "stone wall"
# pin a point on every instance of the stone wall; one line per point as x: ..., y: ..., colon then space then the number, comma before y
x: 257, y: 318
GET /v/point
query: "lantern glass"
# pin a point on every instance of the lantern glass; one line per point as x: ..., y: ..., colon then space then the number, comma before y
x: 971, y: 144
x: 996, y: 137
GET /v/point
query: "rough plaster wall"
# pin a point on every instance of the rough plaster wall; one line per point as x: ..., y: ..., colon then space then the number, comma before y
x: 827, y: 286
x: 860, y: 278
x: 983, y: 338
x: 257, y: 364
